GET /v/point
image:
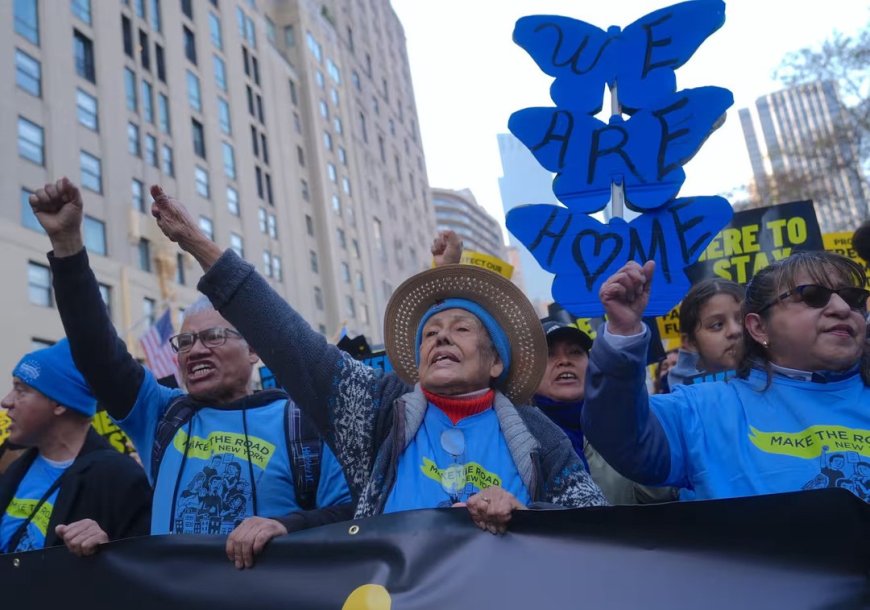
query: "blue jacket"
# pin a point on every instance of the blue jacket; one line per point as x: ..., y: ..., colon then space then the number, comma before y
x: 726, y: 439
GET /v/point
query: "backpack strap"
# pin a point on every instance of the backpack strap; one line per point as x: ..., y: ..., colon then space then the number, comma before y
x: 304, y: 448
x: 178, y: 413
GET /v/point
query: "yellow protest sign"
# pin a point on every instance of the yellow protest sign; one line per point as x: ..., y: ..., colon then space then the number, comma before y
x: 479, y: 259
x: 669, y: 328
x: 841, y: 243
x: 4, y: 426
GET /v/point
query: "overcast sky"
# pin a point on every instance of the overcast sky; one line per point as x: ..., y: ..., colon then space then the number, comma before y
x: 469, y: 76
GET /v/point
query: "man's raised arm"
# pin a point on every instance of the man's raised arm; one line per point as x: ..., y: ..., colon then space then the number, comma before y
x: 98, y: 352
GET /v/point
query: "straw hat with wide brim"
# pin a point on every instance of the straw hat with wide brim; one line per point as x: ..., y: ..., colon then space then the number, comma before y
x: 503, y: 300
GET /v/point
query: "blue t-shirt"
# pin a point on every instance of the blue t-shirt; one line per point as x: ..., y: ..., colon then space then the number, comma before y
x: 447, y: 463
x: 39, y: 478
x: 733, y: 439
x: 220, y: 462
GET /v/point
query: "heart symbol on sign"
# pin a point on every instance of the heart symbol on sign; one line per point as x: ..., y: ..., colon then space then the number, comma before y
x: 593, y: 255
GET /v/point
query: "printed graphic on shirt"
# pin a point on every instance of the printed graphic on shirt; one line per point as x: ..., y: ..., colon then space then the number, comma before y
x: 843, y: 454
x: 461, y: 481
x: 216, y: 499
x: 22, y: 508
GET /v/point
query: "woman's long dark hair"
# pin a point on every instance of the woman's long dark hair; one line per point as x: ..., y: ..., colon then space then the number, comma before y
x: 823, y: 268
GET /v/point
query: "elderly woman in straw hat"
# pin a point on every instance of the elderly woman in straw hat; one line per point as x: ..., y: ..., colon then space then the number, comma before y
x: 445, y: 428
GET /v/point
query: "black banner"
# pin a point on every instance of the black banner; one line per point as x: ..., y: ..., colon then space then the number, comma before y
x: 789, y: 551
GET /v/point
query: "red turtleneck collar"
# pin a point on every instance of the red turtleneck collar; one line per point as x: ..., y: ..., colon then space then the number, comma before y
x: 458, y: 408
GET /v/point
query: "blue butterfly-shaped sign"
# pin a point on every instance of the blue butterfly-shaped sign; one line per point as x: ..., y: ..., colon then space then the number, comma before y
x: 583, y: 252
x: 639, y: 59
x: 645, y: 153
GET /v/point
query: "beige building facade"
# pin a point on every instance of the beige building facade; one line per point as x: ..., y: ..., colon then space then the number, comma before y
x: 459, y: 211
x: 287, y: 127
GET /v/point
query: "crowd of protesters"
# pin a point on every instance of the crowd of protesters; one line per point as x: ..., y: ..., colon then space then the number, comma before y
x: 488, y: 409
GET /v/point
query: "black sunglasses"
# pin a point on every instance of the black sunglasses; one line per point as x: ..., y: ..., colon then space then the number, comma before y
x: 210, y: 337
x: 818, y: 296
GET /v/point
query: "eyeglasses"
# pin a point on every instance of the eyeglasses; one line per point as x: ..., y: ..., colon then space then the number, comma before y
x: 210, y: 337
x: 453, y: 478
x: 818, y: 296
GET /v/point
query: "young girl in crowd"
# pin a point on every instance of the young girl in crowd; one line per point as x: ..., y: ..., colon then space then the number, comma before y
x: 712, y: 327
x: 796, y: 417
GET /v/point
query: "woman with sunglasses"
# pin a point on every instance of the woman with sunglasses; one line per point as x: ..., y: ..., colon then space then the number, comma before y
x: 796, y: 417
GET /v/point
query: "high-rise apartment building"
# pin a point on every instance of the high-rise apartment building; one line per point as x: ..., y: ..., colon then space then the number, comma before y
x: 801, y: 146
x: 287, y: 127
x: 459, y: 211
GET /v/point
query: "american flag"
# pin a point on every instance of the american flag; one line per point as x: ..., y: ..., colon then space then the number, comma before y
x: 155, y: 343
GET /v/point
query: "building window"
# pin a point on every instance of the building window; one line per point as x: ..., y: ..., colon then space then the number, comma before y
x: 28, y: 218
x: 306, y: 193
x: 86, y: 110
x: 318, y: 298
x: 342, y: 156
x: 267, y: 263
x: 327, y: 140
x: 127, y: 36
x: 94, y: 235
x: 27, y: 20
x: 147, y: 102
x: 140, y: 8
x: 229, y: 161
x: 272, y: 223
x: 377, y: 233
x: 314, y: 46
x: 345, y: 273
x: 277, y: 269
x: 233, y: 201
x: 333, y: 71
x: 265, y: 148
x: 180, y: 275
x: 149, y: 310
x: 224, y: 116
x: 92, y: 172
x: 150, y: 150
x: 269, y: 189
x: 360, y: 282
x: 193, y: 94
x: 133, y: 146
x: 144, y: 249
x: 168, y: 164
x: 189, y: 45
x: 201, y: 177
x: 144, y: 53
x: 255, y: 67
x: 28, y: 73
x: 39, y: 284
x: 294, y: 96
x: 163, y: 114
x: 258, y: 174
x: 82, y: 10
x: 156, y: 21
x: 331, y: 173
x: 345, y: 185
x: 106, y: 295
x: 354, y: 246
x: 220, y: 73
x: 130, y: 90
x: 350, y: 308
x: 337, y: 126
x: 187, y: 8
x: 362, y: 127
x: 300, y: 156
x: 336, y: 204
x: 207, y: 227
x: 214, y: 26
x: 83, y: 50
x: 324, y: 109
x: 198, y: 138
x: 138, y: 195
x: 31, y: 141
x: 237, y: 245
x: 261, y: 217
x: 342, y: 239
x: 160, y: 60
x: 312, y: 256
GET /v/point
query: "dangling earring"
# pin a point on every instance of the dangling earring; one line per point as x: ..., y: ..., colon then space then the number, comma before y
x: 765, y: 344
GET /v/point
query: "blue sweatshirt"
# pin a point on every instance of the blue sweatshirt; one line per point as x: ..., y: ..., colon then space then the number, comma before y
x: 726, y: 439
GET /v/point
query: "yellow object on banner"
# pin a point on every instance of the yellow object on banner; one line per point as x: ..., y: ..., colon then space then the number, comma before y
x: 585, y: 325
x: 841, y: 243
x: 479, y: 259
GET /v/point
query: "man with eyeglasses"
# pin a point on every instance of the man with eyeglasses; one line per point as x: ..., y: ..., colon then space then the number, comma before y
x: 221, y: 457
